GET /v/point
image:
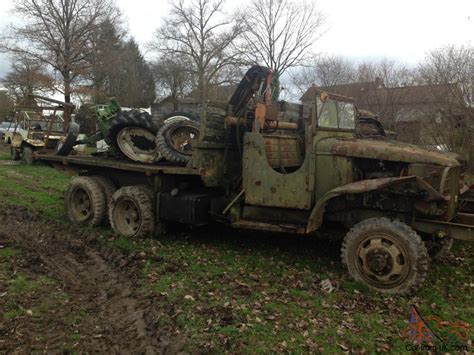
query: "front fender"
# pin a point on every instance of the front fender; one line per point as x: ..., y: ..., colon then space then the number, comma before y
x: 316, y: 217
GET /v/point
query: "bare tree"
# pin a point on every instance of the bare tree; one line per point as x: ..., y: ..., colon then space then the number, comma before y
x: 280, y: 34
x: 448, y: 65
x: 26, y: 77
x: 374, y: 85
x: 58, y: 33
x: 334, y: 70
x: 200, y: 32
x: 385, y: 92
x: 452, y: 69
x: 172, y: 77
x: 325, y: 71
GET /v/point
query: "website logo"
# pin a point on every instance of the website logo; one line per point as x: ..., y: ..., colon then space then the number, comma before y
x: 431, y: 333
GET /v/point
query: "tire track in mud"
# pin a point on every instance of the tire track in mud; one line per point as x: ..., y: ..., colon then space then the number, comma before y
x: 93, y: 276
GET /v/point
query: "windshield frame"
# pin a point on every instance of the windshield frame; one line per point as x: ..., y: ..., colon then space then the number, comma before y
x: 320, y: 105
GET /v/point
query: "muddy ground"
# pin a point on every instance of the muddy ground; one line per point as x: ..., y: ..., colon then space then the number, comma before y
x: 86, y: 279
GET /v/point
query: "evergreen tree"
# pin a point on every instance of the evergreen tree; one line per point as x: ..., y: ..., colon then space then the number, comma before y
x: 119, y: 70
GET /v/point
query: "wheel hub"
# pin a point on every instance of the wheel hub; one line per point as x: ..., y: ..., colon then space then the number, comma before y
x: 127, y: 217
x: 81, y: 205
x: 138, y: 144
x: 181, y: 139
x: 382, y: 261
x: 378, y: 261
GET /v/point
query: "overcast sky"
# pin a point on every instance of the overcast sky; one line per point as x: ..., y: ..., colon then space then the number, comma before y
x: 360, y: 29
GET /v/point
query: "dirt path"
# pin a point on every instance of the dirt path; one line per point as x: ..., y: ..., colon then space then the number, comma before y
x: 94, y: 278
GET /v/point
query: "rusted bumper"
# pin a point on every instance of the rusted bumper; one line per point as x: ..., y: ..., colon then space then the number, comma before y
x: 462, y: 229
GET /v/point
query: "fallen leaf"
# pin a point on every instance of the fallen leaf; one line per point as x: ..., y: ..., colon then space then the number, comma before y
x: 343, y: 347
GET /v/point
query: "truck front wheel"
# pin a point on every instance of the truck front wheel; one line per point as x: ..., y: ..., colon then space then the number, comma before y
x: 27, y: 155
x: 388, y: 256
x: 15, y: 153
x: 131, y: 212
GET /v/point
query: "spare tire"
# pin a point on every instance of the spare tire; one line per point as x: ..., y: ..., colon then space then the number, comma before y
x: 64, y: 148
x: 174, y: 140
x: 126, y: 125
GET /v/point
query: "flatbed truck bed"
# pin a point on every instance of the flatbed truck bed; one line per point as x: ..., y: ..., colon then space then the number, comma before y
x: 83, y: 161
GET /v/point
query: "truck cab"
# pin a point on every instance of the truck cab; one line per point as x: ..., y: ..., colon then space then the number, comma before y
x: 398, y: 203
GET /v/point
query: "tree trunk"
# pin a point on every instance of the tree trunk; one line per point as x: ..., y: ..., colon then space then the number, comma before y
x: 201, y: 90
x: 67, y: 98
x: 202, y: 97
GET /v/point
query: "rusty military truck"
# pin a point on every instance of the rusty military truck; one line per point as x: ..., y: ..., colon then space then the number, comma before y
x: 281, y: 167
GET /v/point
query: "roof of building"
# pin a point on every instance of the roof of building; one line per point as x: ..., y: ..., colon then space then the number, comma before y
x: 354, y: 90
x: 404, y: 95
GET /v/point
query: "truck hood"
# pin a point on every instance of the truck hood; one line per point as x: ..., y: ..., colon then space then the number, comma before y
x: 386, y: 150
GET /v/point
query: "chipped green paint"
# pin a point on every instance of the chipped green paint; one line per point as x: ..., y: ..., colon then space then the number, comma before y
x: 266, y: 187
x: 385, y: 150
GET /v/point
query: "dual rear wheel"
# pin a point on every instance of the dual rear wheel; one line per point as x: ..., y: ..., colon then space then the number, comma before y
x: 90, y: 200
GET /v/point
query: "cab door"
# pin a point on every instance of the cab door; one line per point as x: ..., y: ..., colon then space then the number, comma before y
x: 271, y: 175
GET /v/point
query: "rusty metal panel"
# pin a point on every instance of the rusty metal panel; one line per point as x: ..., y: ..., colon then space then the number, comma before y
x: 283, y: 151
x: 266, y: 187
x: 385, y: 150
x: 86, y: 161
x: 362, y: 186
x: 454, y: 230
x: 331, y: 172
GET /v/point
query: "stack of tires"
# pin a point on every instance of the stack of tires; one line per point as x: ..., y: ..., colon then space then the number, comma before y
x: 134, y: 134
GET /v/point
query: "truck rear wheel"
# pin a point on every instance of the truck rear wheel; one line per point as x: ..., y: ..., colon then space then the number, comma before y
x: 131, y: 212
x: 388, y: 256
x: 85, y: 201
x: 107, y: 186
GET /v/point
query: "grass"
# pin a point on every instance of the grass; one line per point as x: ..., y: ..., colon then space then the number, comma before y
x: 35, y: 187
x: 4, y: 152
x: 252, y: 292
x: 6, y: 253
